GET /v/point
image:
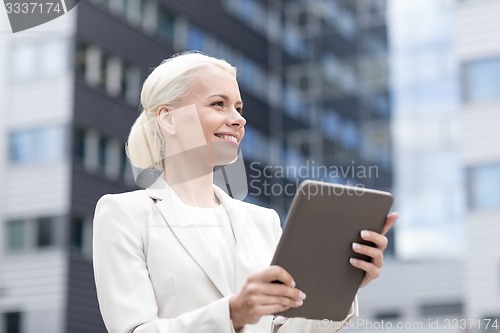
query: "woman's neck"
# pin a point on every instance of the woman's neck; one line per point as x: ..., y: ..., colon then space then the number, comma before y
x: 194, y: 191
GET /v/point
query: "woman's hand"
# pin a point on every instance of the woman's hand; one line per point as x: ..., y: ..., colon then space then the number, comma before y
x: 376, y: 252
x: 260, y: 296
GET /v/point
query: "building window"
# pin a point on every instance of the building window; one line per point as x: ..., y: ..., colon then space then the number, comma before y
x: 332, y: 124
x: 53, y: 59
x: 98, y: 153
x: 81, y: 235
x: 484, y: 192
x: 20, y: 146
x: 388, y: 316
x: 114, y: 74
x: 165, y: 24
x: 79, y: 144
x: 49, y: 143
x: 131, y: 84
x: 24, y: 234
x: 41, y: 144
x: 24, y: 62
x: 196, y: 38
x: 252, y: 12
x: 12, y: 322
x: 149, y: 21
x: 101, y: 69
x: 350, y: 136
x: 80, y: 60
x: 93, y: 60
x: 31, y: 60
x: 293, y: 100
x: 116, y: 6
x: 16, y: 235
x: 254, y: 138
x: 124, y: 163
x: 442, y: 309
x: 482, y: 80
x: 102, y: 152
x: 149, y: 15
x: 45, y: 231
x: 133, y: 10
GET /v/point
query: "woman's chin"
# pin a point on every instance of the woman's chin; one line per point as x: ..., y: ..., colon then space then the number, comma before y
x: 224, y: 153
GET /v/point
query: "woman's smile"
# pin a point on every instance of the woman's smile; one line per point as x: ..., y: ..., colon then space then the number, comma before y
x: 229, y: 137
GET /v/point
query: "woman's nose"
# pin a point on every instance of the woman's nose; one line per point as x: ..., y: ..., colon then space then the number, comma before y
x: 236, y: 119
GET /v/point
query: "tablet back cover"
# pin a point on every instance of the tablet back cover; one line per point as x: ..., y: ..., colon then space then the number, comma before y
x: 323, y: 222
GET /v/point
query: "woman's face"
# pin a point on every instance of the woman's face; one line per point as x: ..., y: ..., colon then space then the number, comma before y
x: 216, y: 96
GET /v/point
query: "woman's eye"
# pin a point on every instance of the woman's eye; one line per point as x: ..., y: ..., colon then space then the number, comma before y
x: 219, y: 103
x: 240, y: 110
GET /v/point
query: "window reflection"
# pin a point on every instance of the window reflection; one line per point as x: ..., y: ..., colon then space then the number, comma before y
x: 483, y: 184
x: 31, y: 60
x: 42, y: 144
x: 25, y: 234
x: 482, y: 80
x: 16, y: 235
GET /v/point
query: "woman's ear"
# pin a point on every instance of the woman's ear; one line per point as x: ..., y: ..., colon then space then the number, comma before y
x: 166, y: 119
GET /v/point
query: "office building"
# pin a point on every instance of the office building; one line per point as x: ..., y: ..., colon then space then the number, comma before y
x: 478, y: 50
x: 413, y: 296
x: 455, y: 96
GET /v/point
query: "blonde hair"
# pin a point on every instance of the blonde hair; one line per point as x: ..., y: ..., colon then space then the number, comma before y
x: 167, y: 84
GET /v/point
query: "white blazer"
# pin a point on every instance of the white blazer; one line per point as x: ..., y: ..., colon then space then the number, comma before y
x: 154, y: 273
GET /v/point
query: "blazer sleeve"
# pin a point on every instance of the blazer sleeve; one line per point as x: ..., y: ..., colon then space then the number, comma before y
x: 124, y: 291
x: 300, y: 325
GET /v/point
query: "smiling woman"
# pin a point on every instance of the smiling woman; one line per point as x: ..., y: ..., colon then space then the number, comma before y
x: 164, y: 90
x: 183, y: 256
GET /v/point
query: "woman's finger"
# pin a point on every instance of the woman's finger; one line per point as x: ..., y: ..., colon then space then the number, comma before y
x: 372, y: 271
x: 261, y: 300
x: 391, y: 218
x: 376, y: 254
x: 379, y: 240
x: 275, y: 273
x: 272, y: 289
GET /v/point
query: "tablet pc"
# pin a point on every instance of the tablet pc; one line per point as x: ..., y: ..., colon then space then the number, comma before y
x: 316, y: 245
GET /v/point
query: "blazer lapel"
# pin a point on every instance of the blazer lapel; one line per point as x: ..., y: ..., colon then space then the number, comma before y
x: 191, y: 238
x: 246, y: 261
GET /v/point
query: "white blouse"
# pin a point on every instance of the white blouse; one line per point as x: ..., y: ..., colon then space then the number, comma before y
x: 215, y: 226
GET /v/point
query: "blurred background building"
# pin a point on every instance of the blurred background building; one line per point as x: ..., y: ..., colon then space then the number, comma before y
x: 478, y: 52
x: 425, y: 284
x: 314, y: 76
x: 446, y: 89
